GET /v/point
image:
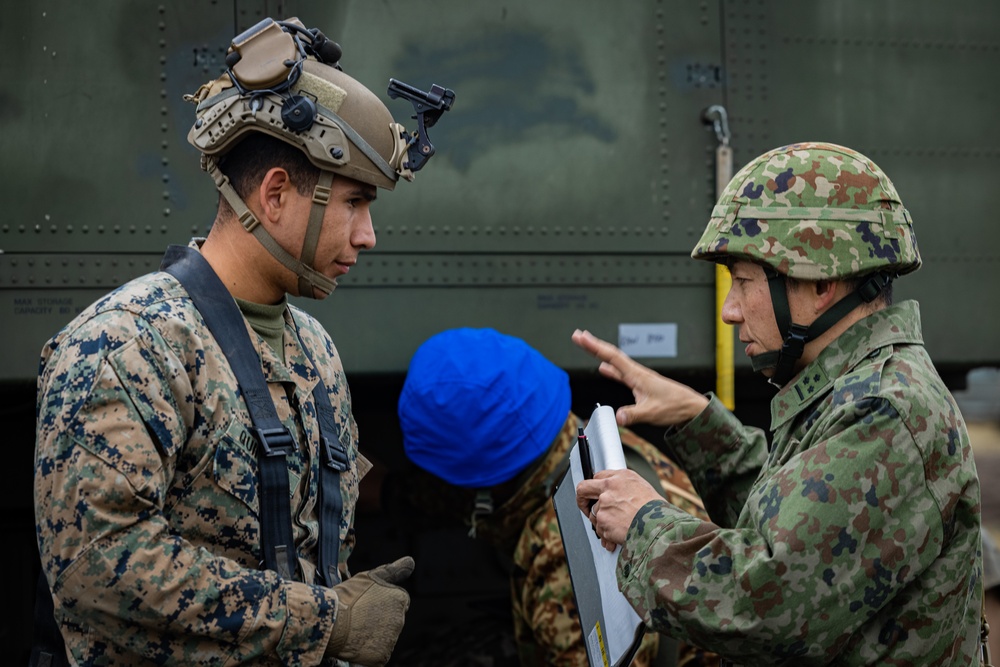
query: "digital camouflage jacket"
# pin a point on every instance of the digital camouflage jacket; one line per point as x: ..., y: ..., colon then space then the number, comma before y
x: 852, y: 540
x: 146, y: 499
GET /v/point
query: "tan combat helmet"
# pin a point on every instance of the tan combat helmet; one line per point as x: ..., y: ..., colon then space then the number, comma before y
x: 812, y: 211
x: 285, y: 80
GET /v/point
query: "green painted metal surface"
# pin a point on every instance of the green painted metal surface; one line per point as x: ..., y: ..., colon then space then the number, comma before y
x: 573, y: 174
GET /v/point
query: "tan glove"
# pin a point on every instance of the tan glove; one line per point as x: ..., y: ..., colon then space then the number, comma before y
x: 370, y: 614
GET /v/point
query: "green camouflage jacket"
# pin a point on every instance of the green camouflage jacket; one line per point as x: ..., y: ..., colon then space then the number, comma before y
x: 546, y: 621
x: 852, y: 540
x: 146, y: 487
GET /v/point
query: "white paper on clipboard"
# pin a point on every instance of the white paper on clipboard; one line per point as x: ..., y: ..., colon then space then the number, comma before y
x: 612, y: 630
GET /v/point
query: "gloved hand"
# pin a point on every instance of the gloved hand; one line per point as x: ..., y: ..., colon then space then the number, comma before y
x: 371, y: 609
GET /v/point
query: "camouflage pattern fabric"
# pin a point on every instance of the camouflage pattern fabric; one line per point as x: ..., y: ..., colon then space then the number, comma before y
x: 146, y: 500
x: 857, y: 544
x: 812, y: 211
x: 546, y: 621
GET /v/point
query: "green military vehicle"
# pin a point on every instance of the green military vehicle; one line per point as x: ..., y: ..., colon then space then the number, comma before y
x: 573, y: 176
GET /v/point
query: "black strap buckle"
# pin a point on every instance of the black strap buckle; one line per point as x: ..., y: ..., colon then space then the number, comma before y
x: 795, y: 341
x: 873, y: 286
x: 275, y: 441
x: 333, y: 454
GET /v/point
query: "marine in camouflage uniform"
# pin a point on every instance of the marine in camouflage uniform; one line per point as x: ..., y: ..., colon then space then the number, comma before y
x: 461, y: 385
x: 147, y: 491
x: 853, y: 537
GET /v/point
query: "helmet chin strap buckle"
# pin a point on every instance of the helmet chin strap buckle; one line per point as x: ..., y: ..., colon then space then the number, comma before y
x: 791, y: 351
x: 795, y: 341
x: 871, y: 288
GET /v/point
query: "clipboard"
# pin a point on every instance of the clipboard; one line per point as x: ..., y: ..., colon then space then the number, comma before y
x: 612, y: 631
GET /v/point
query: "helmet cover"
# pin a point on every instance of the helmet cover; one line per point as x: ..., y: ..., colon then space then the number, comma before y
x: 812, y: 211
x: 478, y: 406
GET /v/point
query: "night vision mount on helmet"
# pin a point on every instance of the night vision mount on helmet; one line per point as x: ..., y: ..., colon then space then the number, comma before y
x: 285, y: 80
x: 812, y: 211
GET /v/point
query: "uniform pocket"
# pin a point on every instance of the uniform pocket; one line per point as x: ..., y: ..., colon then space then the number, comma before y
x: 145, y: 376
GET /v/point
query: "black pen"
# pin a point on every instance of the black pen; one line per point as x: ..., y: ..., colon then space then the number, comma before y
x: 585, y: 461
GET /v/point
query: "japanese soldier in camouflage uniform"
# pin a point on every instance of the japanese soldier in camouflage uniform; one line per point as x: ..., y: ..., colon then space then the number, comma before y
x: 486, y: 413
x: 852, y: 538
x: 146, y: 486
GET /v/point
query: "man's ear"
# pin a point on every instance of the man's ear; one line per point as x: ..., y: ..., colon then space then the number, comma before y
x: 273, y: 193
x: 827, y: 294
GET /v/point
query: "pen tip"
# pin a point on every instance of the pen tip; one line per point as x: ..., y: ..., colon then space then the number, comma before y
x: 581, y: 432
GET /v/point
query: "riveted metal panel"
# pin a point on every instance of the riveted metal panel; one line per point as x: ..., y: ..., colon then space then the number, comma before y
x: 493, y: 270
x: 575, y: 144
x: 567, y: 160
x: 563, y: 137
x: 87, y: 118
x: 545, y: 315
x: 574, y: 159
x: 73, y: 270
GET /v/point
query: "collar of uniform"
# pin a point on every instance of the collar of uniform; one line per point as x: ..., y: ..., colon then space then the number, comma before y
x: 271, y: 366
x: 296, y: 362
x: 893, y: 325
x: 274, y: 370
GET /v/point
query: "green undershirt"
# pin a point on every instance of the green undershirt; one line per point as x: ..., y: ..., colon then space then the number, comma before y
x: 268, y: 321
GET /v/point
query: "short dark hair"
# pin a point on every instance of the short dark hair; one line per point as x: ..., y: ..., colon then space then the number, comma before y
x: 247, y: 162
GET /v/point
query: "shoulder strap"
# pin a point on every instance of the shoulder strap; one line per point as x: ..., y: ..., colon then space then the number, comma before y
x: 334, y: 462
x: 226, y: 323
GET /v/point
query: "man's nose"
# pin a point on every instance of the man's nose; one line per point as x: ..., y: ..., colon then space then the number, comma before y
x: 731, y: 312
x: 364, y: 233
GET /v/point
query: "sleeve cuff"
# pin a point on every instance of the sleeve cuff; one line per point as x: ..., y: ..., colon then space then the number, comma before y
x: 651, y: 521
x: 312, y: 612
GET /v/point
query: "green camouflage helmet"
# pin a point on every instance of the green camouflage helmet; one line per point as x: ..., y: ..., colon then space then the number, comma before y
x: 812, y: 211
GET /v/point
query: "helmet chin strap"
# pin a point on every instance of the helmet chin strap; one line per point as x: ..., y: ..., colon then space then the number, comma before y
x: 312, y: 283
x: 796, y: 336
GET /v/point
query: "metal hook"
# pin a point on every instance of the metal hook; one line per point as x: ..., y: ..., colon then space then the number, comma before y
x: 716, y: 114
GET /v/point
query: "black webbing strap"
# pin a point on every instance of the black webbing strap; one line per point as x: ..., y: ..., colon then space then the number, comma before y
x: 795, y: 336
x: 333, y: 462
x: 226, y: 323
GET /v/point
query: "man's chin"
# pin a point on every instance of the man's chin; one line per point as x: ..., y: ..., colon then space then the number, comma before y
x: 767, y: 371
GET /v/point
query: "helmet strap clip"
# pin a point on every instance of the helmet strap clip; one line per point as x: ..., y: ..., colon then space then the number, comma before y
x: 791, y: 351
x: 796, y: 336
x: 873, y: 286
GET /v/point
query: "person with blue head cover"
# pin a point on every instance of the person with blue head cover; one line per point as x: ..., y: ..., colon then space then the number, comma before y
x: 490, y: 417
x: 478, y: 406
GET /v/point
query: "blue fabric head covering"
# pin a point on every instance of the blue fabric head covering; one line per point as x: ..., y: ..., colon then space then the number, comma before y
x: 478, y: 406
